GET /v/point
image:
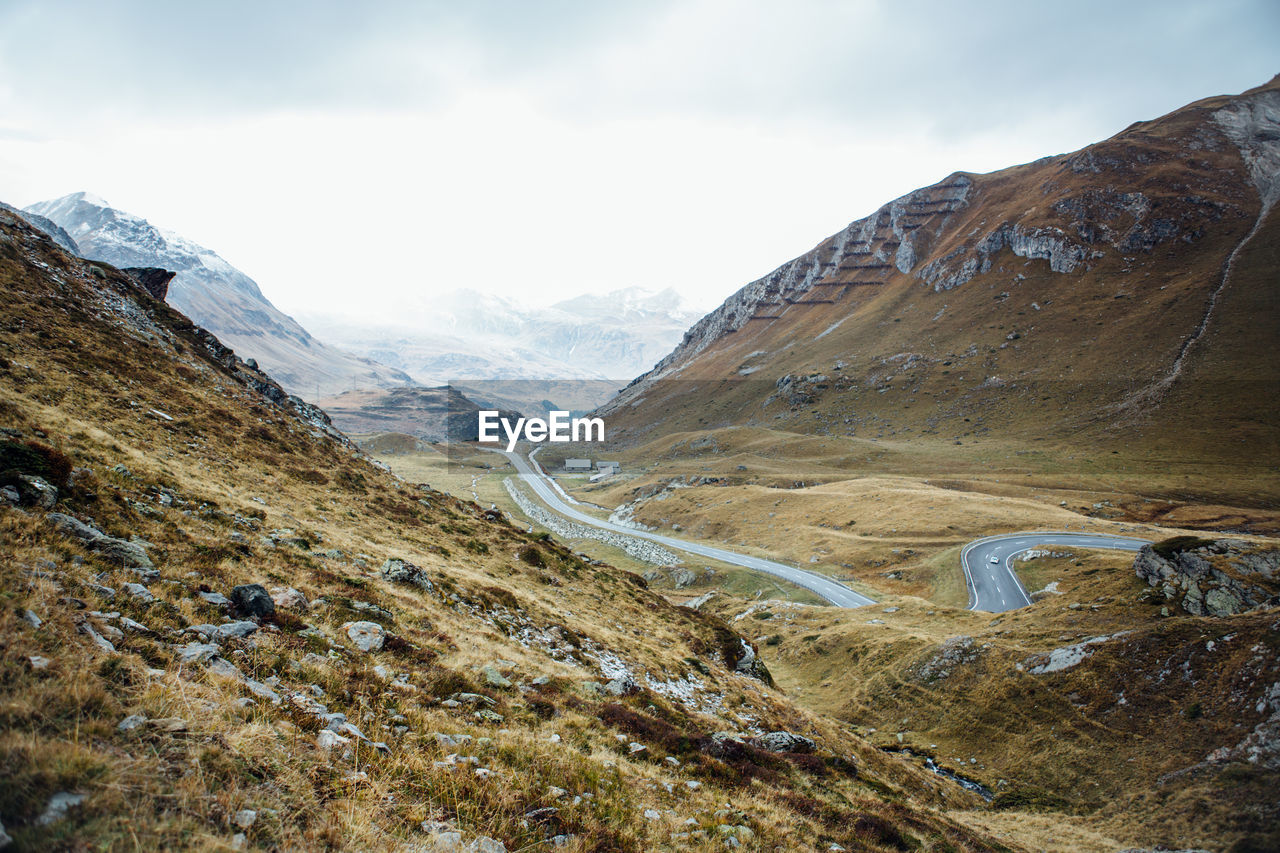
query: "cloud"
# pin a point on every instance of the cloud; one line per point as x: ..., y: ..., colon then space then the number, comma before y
x: 360, y: 156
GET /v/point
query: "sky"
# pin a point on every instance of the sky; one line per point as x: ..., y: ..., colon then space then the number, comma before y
x: 356, y: 159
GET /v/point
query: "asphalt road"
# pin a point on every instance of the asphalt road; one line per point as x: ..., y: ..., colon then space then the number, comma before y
x: 995, y: 587
x: 833, y: 591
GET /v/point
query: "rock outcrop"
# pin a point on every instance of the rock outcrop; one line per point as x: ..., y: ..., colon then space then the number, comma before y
x: 1212, y: 577
x: 151, y: 279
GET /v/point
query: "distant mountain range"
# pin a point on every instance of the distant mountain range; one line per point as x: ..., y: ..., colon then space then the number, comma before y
x: 466, y: 334
x: 463, y: 334
x: 214, y: 294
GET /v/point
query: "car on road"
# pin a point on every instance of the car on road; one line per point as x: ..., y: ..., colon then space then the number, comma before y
x: 995, y: 559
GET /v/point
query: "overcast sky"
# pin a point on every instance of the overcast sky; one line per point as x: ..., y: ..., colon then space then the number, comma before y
x: 352, y: 157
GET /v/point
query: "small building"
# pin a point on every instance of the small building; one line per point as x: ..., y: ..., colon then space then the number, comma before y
x: 603, y: 466
x: 577, y: 465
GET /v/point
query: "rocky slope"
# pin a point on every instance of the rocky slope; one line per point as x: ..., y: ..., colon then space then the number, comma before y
x: 1122, y: 288
x: 226, y: 628
x: 1212, y: 577
x: 216, y: 295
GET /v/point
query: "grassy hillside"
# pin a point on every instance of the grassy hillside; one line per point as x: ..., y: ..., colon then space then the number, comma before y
x: 1081, y: 305
x: 510, y: 690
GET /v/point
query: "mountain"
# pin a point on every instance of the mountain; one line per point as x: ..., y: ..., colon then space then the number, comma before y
x: 216, y: 295
x: 469, y: 335
x: 225, y: 627
x: 1122, y: 297
x: 430, y: 414
x: 48, y: 226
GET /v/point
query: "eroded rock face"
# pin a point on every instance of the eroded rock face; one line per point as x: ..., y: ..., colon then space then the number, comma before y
x: 153, y: 280
x: 1219, y: 577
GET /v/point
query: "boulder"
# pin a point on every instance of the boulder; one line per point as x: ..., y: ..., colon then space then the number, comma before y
x: 139, y: 592
x: 252, y: 600
x: 493, y: 678
x: 197, y: 652
x: 288, y: 598
x: 59, y: 805
x: 621, y: 686
x: 682, y: 577
x: 367, y: 636
x: 39, y: 491
x: 402, y: 571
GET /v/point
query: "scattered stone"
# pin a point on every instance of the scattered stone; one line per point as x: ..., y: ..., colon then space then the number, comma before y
x: 634, y: 747
x: 197, y: 652
x: 621, y: 686
x: 5, y: 839
x: 245, y: 818
x: 136, y: 627
x: 32, y: 619
x: 402, y: 571
x: 484, y: 715
x: 237, y: 630
x: 785, y: 742
x: 131, y: 722
x: 59, y: 804
x: 128, y: 554
x: 493, y: 678
x: 217, y: 599
x: 43, y: 493
x: 1065, y: 658
x: 327, y: 740
x: 288, y: 598
x: 252, y: 600
x: 39, y: 662
x: 367, y: 636
x: 485, y: 844
x: 556, y: 793
x: 956, y: 651
x: 696, y: 603
x: 172, y: 725
x: 652, y: 814
x: 139, y: 592
x: 98, y: 640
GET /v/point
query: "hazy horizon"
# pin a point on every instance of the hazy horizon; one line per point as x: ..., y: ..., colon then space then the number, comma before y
x: 353, y: 162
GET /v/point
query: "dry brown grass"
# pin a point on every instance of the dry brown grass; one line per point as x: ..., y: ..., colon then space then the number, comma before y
x: 236, y: 464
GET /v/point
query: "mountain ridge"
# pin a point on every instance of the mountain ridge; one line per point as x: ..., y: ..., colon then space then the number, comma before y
x: 1039, y: 284
x: 215, y: 294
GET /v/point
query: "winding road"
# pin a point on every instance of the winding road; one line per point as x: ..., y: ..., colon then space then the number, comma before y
x: 988, y: 564
x: 831, y: 590
x: 993, y: 584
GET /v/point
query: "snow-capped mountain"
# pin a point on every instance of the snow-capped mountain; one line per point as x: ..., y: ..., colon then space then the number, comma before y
x: 469, y: 335
x: 217, y: 296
